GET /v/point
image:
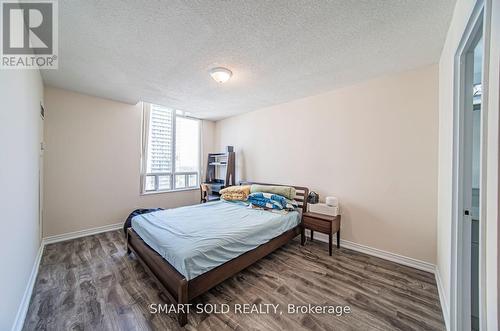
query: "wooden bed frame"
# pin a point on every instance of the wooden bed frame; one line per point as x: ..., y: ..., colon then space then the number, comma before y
x: 182, y: 291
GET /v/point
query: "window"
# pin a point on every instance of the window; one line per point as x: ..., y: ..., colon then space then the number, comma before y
x: 171, y: 150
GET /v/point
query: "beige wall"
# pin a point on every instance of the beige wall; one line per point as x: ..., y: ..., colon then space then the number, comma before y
x: 207, y: 144
x: 92, y: 163
x: 21, y: 92
x: 373, y: 145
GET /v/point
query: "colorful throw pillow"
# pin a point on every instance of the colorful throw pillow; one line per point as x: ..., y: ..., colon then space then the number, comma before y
x: 266, y: 200
x: 291, y: 204
x: 271, y: 201
x: 285, y: 191
x: 239, y: 193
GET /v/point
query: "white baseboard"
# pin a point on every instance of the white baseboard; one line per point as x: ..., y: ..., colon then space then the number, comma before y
x: 442, y: 298
x: 404, y: 260
x: 81, y: 233
x: 25, y: 302
x: 23, y: 306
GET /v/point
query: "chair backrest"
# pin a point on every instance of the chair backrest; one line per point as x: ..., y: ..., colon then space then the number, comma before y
x: 203, y: 193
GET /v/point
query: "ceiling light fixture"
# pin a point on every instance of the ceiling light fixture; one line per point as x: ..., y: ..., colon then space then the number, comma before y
x: 220, y: 74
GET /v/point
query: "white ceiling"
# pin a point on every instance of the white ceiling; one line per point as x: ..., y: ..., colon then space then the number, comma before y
x: 279, y: 50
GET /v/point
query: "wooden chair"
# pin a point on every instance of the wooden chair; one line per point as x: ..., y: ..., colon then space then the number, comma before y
x: 203, y: 193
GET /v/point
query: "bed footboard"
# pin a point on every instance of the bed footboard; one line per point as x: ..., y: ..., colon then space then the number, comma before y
x: 181, y: 291
x: 173, y: 284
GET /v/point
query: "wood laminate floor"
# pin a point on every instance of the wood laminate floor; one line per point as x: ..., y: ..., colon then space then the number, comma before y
x: 91, y: 284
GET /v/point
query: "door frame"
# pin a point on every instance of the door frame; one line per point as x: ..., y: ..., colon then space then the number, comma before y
x: 460, y: 306
x: 41, y: 167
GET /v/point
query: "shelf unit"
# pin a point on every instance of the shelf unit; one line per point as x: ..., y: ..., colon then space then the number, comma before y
x: 220, y: 171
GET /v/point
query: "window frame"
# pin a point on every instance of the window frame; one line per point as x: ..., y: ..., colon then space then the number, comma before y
x: 146, y: 116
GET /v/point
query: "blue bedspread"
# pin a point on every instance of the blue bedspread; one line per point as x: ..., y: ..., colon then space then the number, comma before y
x: 196, y: 239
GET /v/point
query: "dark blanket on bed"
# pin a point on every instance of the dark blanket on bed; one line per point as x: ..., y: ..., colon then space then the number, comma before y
x: 128, y: 222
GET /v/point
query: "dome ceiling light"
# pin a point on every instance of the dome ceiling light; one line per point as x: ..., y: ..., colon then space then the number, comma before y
x: 220, y: 74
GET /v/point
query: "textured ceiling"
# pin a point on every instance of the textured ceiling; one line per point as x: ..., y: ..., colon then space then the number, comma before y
x: 280, y: 50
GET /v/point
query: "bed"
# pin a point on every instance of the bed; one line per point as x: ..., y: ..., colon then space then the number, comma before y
x: 191, y: 249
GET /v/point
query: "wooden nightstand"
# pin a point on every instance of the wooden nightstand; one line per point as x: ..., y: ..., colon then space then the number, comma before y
x: 322, y: 223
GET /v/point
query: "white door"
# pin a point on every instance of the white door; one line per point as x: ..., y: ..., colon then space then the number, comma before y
x: 469, y: 123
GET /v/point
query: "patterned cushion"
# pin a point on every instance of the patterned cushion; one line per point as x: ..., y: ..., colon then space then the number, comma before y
x: 271, y: 201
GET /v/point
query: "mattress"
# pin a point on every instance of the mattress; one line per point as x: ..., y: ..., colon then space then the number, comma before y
x: 196, y: 239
